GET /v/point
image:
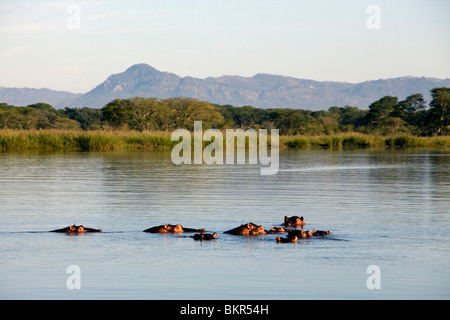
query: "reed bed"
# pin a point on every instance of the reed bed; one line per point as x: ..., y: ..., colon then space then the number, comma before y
x: 358, y: 140
x: 105, y: 140
x: 78, y: 140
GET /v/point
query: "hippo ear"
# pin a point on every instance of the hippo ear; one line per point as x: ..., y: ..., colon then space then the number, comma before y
x: 249, y: 225
x: 166, y: 226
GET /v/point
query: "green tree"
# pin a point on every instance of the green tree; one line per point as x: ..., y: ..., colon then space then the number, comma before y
x: 152, y: 114
x: 379, y: 111
x: 292, y: 122
x: 89, y: 119
x: 184, y: 111
x: 35, y: 116
x: 118, y: 113
x: 438, y: 118
x: 353, y: 116
x: 407, y: 108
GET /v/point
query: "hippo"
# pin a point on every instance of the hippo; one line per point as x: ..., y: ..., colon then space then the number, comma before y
x: 294, y: 221
x: 320, y: 233
x: 299, y: 233
x: 76, y: 229
x: 296, y: 233
x: 205, y: 236
x: 293, y: 239
x: 277, y: 230
x: 249, y: 229
x: 168, y: 228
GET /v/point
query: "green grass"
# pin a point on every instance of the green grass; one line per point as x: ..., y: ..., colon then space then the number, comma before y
x: 82, y: 140
x: 78, y: 140
x: 357, y: 140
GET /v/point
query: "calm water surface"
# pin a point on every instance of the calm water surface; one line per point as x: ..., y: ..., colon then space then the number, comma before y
x: 389, y: 208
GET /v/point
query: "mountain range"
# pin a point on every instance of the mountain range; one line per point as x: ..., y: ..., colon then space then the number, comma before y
x: 261, y: 90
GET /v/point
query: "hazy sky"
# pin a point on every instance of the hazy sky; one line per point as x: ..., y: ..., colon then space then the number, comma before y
x: 76, y: 45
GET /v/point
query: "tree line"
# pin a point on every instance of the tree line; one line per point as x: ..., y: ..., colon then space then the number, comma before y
x: 385, y: 116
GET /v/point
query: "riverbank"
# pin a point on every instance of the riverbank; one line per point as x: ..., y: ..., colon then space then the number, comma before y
x: 103, y: 140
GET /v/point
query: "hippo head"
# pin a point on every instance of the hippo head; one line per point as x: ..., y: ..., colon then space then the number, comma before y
x: 297, y: 233
x: 177, y: 228
x: 258, y: 230
x: 294, y: 220
x: 245, y: 229
x: 289, y: 239
x: 275, y: 229
x: 210, y: 236
x: 81, y: 229
x: 249, y: 229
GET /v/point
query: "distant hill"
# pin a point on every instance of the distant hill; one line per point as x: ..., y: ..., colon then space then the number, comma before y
x: 26, y: 96
x: 261, y: 90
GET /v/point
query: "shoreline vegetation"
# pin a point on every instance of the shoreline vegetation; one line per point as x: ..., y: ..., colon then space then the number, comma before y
x: 148, y: 123
x: 109, y: 140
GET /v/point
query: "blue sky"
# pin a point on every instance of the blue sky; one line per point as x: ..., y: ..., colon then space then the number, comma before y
x: 41, y: 46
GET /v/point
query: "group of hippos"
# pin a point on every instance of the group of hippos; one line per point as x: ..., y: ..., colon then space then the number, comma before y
x: 249, y: 229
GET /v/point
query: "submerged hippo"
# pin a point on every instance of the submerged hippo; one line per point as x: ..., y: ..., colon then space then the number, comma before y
x: 294, y: 221
x: 168, y: 228
x: 205, y: 236
x: 299, y: 233
x: 293, y: 239
x: 249, y: 229
x: 76, y: 229
x: 320, y: 233
x: 277, y: 230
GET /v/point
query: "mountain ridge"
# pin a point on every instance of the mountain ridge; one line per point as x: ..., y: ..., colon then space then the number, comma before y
x: 261, y: 90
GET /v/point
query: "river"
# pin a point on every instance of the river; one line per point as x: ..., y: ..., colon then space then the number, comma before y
x: 388, y: 211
